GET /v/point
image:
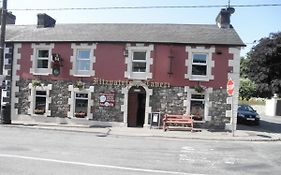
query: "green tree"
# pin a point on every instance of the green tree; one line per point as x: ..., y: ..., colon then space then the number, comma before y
x: 244, y: 69
x: 264, y: 65
x: 247, y: 88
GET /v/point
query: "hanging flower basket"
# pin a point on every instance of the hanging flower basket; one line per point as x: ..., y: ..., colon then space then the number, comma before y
x: 199, y: 89
x: 36, y: 83
x: 79, y: 85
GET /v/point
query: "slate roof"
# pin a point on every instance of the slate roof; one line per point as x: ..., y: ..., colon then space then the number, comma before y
x: 151, y: 33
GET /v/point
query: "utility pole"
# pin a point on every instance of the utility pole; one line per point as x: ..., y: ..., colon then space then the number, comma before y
x: 2, y: 48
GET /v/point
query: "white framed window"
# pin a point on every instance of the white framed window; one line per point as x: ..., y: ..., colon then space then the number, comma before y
x: 82, y: 60
x: 41, y: 59
x: 138, y: 62
x: 199, y: 63
x: 197, y: 106
x: 81, y: 105
x: 80, y: 102
x: 40, y: 100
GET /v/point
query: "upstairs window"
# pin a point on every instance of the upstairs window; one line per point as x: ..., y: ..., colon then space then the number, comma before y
x: 139, y: 62
x: 83, y: 61
x: 199, y: 64
x: 41, y: 59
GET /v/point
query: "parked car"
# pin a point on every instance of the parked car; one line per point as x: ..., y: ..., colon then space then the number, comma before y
x: 246, y: 114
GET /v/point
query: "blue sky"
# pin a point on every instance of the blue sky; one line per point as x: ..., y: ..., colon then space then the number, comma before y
x: 250, y: 23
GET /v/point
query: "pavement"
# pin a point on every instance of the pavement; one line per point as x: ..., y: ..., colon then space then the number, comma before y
x: 248, y: 134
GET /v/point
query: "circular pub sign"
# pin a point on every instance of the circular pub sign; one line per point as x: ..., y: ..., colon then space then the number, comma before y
x: 230, y: 87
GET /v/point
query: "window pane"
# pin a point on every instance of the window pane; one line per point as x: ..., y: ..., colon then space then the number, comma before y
x: 40, y: 105
x: 199, y: 70
x: 41, y: 93
x: 82, y: 95
x: 197, y: 96
x: 43, y: 53
x: 139, y: 56
x: 199, y: 58
x: 139, y: 67
x: 42, y: 63
x: 197, y: 109
x: 83, y: 65
x: 84, y: 54
x: 81, y: 108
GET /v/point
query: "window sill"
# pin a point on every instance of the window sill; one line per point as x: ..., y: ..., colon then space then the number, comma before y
x: 38, y: 73
x: 198, y: 78
x: 76, y: 75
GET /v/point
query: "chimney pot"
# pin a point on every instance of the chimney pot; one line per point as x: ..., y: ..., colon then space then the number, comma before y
x: 223, y: 18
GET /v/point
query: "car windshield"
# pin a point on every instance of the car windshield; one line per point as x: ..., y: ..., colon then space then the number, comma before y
x: 246, y: 108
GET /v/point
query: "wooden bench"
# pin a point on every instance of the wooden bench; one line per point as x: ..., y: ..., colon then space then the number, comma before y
x: 176, y: 122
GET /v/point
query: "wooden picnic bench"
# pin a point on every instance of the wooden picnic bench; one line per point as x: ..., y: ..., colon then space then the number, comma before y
x: 176, y: 122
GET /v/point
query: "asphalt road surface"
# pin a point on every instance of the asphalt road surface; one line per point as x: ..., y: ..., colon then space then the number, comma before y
x: 26, y: 151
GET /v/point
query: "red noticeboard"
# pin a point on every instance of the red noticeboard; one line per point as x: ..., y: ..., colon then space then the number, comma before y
x: 230, y: 87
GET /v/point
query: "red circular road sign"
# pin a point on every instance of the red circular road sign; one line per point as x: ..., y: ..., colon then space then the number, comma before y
x: 230, y: 87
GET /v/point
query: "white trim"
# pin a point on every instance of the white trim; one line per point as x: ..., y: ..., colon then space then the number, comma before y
x: 207, y: 104
x: 15, y: 88
x: 82, y: 46
x: 32, y: 97
x: 124, y: 107
x: 33, y: 58
x: 71, y: 101
x: 149, y: 61
x: 235, y: 76
x: 210, y: 63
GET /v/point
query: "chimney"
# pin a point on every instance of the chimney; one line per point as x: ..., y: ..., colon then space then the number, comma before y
x: 44, y: 21
x: 223, y: 18
x: 10, y: 18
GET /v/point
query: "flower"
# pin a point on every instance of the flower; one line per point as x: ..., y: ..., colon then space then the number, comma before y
x: 79, y: 85
x: 36, y: 83
x: 199, y: 89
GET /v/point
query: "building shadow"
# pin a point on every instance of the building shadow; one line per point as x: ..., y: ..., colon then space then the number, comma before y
x: 265, y: 126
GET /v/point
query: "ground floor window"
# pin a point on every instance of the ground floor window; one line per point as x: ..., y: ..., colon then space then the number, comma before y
x: 40, y: 99
x: 40, y: 102
x: 81, y: 105
x: 80, y: 102
x: 197, y: 106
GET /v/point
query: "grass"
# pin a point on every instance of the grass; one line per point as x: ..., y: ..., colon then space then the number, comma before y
x: 253, y: 101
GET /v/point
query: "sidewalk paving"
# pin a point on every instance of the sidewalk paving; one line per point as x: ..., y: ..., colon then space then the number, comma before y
x: 202, y: 134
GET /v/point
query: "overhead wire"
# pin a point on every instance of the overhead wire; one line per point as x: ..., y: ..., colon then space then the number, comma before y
x: 144, y: 7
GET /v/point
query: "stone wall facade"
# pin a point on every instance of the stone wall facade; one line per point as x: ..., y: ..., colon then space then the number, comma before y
x: 166, y: 100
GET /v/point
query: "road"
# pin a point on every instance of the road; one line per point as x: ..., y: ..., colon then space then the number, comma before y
x: 27, y: 151
x: 269, y: 124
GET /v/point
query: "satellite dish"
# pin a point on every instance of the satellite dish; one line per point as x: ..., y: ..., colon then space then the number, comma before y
x: 231, y: 10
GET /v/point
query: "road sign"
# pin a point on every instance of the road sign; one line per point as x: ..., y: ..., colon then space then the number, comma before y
x: 230, y: 87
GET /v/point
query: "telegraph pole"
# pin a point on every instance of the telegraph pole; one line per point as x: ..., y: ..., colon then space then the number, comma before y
x: 2, y: 48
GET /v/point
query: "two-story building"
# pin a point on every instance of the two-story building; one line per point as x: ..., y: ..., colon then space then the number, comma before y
x: 117, y: 74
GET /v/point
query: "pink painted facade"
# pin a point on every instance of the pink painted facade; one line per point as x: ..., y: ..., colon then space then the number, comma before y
x: 169, y: 64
